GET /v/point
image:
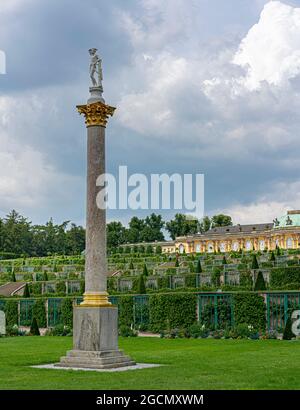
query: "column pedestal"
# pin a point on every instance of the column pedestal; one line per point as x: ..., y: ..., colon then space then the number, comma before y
x: 95, y: 340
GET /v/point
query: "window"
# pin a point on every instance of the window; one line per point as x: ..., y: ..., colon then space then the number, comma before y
x: 289, y: 243
x: 261, y: 244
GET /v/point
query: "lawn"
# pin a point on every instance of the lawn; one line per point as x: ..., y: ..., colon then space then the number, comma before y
x: 188, y: 364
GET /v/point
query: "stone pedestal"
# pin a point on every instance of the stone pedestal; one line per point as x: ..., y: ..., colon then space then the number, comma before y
x: 95, y: 340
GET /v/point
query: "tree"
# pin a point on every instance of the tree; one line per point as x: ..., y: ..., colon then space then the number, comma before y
x: 199, y: 267
x: 176, y: 263
x: 182, y: 225
x: 45, y: 276
x: 288, y: 334
x: 221, y: 220
x: 26, y: 293
x: 75, y: 240
x: 115, y: 234
x: 131, y: 265
x: 205, y: 224
x: 260, y: 282
x: 152, y: 229
x: 254, y: 264
x: 224, y: 261
x: 141, y: 287
x: 13, y: 277
x: 34, y: 329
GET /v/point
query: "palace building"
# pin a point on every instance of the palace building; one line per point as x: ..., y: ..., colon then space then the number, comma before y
x: 283, y: 232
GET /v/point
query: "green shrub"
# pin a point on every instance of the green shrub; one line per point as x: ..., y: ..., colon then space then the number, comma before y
x: 26, y: 293
x: 126, y: 331
x: 288, y: 334
x: 39, y: 312
x: 141, y: 288
x: 11, y: 312
x: 34, y: 329
x: 60, y: 330
x: 145, y: 270
x: 35, y: 288
x: 67, y: 312
x: 199, y: 267
x: 125, y: 305
x: 283, y: 276
x: 190, y: 281
x: 172, y: 311
x: 61, y: 288
x: 163, y: 282
x: 260, y: 282
x: 254, y: 263
x: 250, y: 309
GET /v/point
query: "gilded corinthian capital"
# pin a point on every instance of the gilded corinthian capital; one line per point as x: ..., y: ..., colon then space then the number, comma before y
x: 96, y: 113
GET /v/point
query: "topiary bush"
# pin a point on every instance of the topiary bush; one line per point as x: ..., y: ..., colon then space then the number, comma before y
x: 260, y: 283
x: 34, y: 329
x: 288, y: 334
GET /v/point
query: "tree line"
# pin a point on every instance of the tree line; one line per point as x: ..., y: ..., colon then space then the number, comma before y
x: 19, y: 237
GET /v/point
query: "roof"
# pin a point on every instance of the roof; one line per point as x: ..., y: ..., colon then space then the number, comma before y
x: 241, y: 228
x: 9, y: 289
x: 290, y: 220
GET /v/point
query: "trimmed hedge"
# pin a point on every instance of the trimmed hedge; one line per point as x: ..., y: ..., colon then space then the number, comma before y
x: 284, y: 276
x: 11, y: 312
x: 39, y: 312
x: 67, y: 312
x: 125, y: 305
x: 172, y: 311
x: 250, y: 309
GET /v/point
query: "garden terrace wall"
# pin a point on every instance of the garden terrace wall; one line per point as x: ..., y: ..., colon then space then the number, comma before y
x: 155, y: 312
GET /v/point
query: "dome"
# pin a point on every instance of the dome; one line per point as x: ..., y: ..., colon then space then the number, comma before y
x: 290, y: 220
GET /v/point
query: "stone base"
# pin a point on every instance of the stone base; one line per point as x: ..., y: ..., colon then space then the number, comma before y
x: 109, y: 359
x: 95, y: 340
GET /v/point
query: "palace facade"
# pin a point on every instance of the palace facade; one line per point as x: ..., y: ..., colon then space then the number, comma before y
x: 283, y: 232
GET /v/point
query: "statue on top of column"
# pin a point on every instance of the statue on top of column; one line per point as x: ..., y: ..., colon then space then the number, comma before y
x: 95, y: 68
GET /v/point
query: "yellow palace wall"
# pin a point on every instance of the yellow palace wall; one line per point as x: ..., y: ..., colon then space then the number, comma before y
x: 283, y: 238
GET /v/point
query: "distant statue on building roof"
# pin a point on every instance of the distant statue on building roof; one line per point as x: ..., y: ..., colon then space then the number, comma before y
x: 289, y: 221
x: 276, y: 222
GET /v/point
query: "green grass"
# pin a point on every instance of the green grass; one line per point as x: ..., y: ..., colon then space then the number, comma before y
x: 188, y: 364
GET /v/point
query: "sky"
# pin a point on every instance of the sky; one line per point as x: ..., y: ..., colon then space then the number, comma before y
x: 200, y: 86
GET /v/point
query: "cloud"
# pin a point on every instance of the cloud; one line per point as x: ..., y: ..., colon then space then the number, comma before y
x: 279, y: 197
x: 189, y: 91
x: 271, y: 50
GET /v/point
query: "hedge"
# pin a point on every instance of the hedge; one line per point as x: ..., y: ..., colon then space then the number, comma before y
x: 67, y: 312
x: 284, y: 276
x: 172, y: 311
x: 39, y: 312
x: 11, y: 312
x: 125, y: 305
x: 250, y: 308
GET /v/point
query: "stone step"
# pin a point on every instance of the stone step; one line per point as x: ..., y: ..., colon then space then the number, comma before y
x: 102, y: 361
x: 95, y: 354
x: 85, y: 365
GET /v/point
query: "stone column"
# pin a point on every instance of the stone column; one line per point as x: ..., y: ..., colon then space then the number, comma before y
x: 96, y: 114
x: 95, y: 321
